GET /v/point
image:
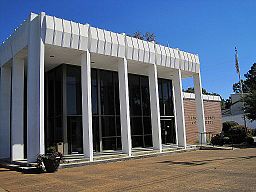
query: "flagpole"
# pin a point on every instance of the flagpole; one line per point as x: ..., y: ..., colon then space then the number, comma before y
x: 241, y: 87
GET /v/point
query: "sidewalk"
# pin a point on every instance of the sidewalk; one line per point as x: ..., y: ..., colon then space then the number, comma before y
x: 202, y: 170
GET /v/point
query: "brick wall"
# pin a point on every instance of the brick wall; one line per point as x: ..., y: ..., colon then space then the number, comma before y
x: 213, y: 122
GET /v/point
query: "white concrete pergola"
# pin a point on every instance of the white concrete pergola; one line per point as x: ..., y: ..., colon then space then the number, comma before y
x: 29, y: 51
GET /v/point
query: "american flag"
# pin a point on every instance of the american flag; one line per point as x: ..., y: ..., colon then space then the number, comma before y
x: 237, y: 63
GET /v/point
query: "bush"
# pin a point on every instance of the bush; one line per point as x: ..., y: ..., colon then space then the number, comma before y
x: 254, y: 132
x: 226, y: 140
x: 249, y: 140
x: 226, y: 126
x: 49, y: 162
x: 237, y: 134
x: 51, y: 149
x: 217, y: 140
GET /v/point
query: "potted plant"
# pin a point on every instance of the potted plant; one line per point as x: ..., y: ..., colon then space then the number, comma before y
x: 50, y: 161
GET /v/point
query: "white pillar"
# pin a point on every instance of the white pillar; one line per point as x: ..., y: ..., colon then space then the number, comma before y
x: 35, y: 91
x: 154, y: 105
x: 87, y: 105
x: 5, y: 100
x: 124, y: 107
x: 179, y: 109
x: 17, y: 133
x: 199, y: 108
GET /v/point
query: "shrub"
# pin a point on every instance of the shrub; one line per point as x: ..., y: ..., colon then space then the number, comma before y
x: 226, y: 140
x: 226, y: 126
x: 254, y: 132
x: 217, y: 140
x: 49, y: 162
x: 237, y: 134
x: 51, y: 149
x: 249, y: 140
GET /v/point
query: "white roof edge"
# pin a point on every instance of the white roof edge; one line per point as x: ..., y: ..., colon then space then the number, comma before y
x: 163, y: 56
x: 205, y: 97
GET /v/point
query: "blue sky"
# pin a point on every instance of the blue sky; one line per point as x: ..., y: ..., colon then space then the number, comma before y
x: 211, y: 28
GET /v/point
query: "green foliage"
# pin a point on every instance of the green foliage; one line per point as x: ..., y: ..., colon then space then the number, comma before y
x: 236, y: 87
x: 250, y: 105
x: 249, y: 87
x: 226, y: 104
x: 51, y: 149
x: 232, y: 132
x: 249, y: 140
x: 204, y: 91
x: 226, y: 126
x: 148, y: 36
x: 138, y: 35
x: 217, y: 140
x: 237, y: 134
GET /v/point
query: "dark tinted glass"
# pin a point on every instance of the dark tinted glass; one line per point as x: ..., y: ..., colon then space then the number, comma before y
x: 136, y: 126
x: 74, y: 92
x: 119, y: 143
x: 137, y: 141
x: 148, y: 141
x: 116, y: 84
x: 94, y: 91
x: 58, y: 90
x: 134, y: 95
x: 140, y: 112
x: 109, y: 106
x: 160, y: 92
x: 75, y: 134
x: 145, y: 96
x: 147, y: 125
x: 165, y: 97
x: 51, y: 105
x: 118, y: 126
x: 108, y: 126
x: 95, y: 132
x: 109, y: 143
x: 107, y: 93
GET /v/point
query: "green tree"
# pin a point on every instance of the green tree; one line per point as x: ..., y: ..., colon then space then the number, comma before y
x: 250, y: 97
x: 138, y: 35
x: 250, y: 105
x: 204, y: 91
x: 148, y: 36
x: 236, y: 87
x: 249, y: 87
x: 225, y: 104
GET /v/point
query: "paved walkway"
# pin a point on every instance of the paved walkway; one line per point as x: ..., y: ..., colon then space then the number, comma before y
x: 214, y: 170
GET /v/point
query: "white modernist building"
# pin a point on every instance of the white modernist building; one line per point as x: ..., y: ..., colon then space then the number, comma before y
x: 89, y: 90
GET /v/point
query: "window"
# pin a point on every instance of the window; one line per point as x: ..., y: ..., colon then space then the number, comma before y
x: 140, y: 112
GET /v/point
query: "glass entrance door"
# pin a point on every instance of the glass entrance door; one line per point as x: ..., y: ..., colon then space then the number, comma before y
x: 75, y: 135
x: 168, y: 131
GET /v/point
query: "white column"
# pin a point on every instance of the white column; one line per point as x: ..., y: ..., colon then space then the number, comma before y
x: 35, y: 91
x: 87, y: 105
x: 124, y: 107
x: 154, y: 105
x: 5, y: 100
x: 17, y: 133
x: 199, y: 108
x: 179, y: 109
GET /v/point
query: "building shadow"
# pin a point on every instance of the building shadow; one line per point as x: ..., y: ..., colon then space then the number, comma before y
x: 203, y: 162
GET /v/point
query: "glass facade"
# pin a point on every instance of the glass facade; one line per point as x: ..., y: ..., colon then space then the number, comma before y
x: 54, y: 110
x: 105, y: 110
x: 73, y: 111
x: 140, y: 113
x: 63, y: 109
x: 166, y: 111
